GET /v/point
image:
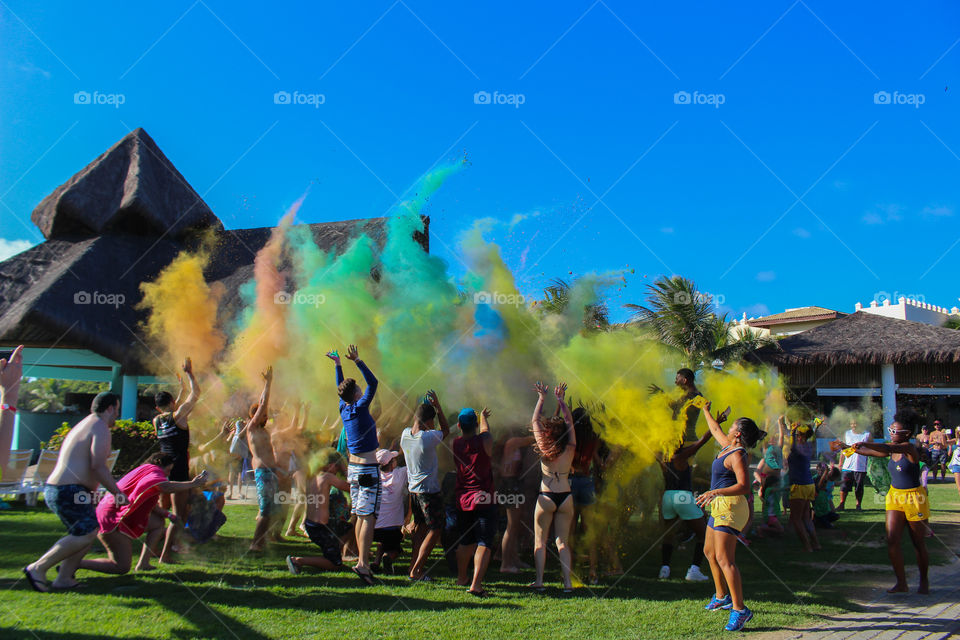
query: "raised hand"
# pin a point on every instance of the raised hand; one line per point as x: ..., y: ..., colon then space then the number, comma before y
x: 11, y: 371
x: 433, y: 399
x: 200, y: 479
x: 333, y: 355
x: 187, y: 366
x: 541, y: 388
x: 652, y: 389
x: 268, y: 374
x: 560, y: 391
x: 486, y: 413
x: 353, y: 353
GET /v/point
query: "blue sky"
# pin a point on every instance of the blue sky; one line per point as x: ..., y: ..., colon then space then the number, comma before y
x: 778, y: 153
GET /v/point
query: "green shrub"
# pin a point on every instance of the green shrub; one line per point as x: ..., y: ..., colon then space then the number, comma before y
x: 136, y: 440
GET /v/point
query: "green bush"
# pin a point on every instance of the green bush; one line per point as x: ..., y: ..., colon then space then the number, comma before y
x: 136, y: 440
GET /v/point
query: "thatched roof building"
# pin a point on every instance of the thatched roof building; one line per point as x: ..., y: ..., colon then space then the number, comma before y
x: 114, y: 225
x: 864, y: 354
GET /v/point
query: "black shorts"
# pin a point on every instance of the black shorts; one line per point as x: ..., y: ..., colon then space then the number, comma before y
x: 853, y: 480
x: 390, y: 537
x: 325, y: 538
x: 478, y: 526
x: 428, y: 509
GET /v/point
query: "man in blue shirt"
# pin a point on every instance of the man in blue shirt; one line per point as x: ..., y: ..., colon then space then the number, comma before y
x: 363, y: 471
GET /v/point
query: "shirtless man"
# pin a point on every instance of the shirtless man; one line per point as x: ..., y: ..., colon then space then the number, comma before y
x: 81, y: 469
x: 173, y: 434
x: 264, y: 463
x: 939, y: 447
x: 326, y: 469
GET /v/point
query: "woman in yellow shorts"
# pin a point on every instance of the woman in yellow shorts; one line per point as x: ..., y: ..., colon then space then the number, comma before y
x: 729, y: 514
x: 907, y: 504
x: 802, y: 491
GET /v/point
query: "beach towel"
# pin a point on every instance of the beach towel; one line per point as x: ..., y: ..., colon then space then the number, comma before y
x: 142, y: 488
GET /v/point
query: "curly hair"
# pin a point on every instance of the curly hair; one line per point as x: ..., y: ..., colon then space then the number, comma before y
x: 552, y: 437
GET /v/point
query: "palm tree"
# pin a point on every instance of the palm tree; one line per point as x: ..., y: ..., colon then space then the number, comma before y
x: 557, y: 298
x: 952, y: 322
x: 683, y: 318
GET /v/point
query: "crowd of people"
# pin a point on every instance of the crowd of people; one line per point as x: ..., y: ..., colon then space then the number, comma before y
x: 358, y: 490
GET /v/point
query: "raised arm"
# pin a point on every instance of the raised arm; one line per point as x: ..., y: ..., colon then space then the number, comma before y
x: 183, y: 410
x: 541, y: 390
x: 368, y: 377
x: 434, y: 400
x: 691, y: 449
x: 10, y: 373
x: 261, y: 413
x: 176, y: 487
x: 484, y: 431
x: 560, y: 392
x: 884, y: 449
x: 722, y: 439
x: 333, y: 355
x: 223, y: 434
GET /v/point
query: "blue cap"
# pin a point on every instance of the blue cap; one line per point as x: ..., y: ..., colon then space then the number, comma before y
x: 467, y: 418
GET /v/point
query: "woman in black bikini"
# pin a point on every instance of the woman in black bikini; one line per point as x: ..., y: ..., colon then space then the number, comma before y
x: 556, y: 441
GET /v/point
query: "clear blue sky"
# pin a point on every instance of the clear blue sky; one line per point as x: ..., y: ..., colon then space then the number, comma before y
x: 798, y: 189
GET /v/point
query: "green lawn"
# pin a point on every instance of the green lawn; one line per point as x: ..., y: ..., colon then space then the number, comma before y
x: 222, y: 593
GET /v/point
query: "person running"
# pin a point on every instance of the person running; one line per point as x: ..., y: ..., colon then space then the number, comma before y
x: 854, y: 467
x: 729, y: 486
x: 173, y: 434
x: 120, y: 526
x: 393, y: 513
x: 419, y: 444
x: 264, y: 462
x: 81, y: 468
x: 511, y: 488
x: 324, y: 524
x: 363, y: 472
x: 474, y: 494
x: 938, y: 451
x: 678, y: 502
x: 906, y: 504
x: 802, y: 488
x: 557, y: 442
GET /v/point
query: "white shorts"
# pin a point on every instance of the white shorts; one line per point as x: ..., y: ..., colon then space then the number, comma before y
x: 365, y: 488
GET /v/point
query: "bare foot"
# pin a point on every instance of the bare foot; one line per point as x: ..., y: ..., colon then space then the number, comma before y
x: 56, y: 584
x: 146, y: 567
x: 899, y: 588
x: 509, y: 570
x: 924, y: 587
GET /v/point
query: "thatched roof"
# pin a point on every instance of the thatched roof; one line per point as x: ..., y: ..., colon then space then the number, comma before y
x: 803, y: 314
x: 131, y: 187
x: 54, y: 294
x: 866, y: 338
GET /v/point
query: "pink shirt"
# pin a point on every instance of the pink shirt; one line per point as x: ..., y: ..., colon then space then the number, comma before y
x: 392, y: 504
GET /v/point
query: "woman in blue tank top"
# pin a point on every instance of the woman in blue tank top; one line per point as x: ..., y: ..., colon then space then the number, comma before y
x: 729, y: 487
x: 907, y: 504
x: 800, y: 449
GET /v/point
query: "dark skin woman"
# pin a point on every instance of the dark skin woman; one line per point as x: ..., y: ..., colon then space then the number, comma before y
x: 907, y: 505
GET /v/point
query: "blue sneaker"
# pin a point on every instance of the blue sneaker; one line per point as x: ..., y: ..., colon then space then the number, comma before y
x: 719, y: 603
x: 738, y: 619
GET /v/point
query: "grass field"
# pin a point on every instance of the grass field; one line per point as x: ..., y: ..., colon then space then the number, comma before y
x: 222, y: 592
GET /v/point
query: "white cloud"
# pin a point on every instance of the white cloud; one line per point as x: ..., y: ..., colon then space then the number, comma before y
x: 666, y: 229
x: 10, y: 248
x: 800, y: 232
x: 937, y: 210
x: 883, y: 213
x: 766, y: 276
